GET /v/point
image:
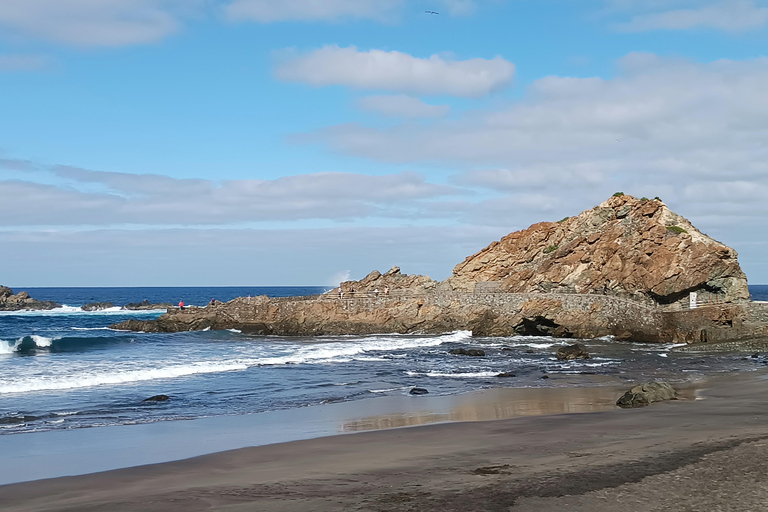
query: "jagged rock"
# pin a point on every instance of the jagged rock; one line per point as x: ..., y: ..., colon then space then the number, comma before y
x: 571, y: 352
x: 647, y: 393
x: 97, y: 306
x: 474, y: 352
x: 157, y: 398
x: 626, y: 247
x: 22, y: 301
x: 145, y: 305
x: 418, y: 391
x: 393, y: 281
x: 613, y: 270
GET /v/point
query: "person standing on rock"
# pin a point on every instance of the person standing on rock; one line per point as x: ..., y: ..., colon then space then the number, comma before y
x: 213, y: 302
x: 181, y: 304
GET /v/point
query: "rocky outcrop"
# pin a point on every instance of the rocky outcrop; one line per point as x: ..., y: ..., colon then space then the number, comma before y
x: 22, y: 301
x: 647, y: 393
x: 97, y: 306
x: 145, y: 305
x: 634, y: 248
x: 614, y: 270
x: 392, y: 282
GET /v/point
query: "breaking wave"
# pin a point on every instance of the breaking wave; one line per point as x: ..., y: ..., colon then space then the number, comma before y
x: 34, y: 343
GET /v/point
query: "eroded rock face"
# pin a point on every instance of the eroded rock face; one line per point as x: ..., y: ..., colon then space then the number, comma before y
x: 604, y: 272
x: 625, y: 247
x: 22, y: 301
x: 391, y: 282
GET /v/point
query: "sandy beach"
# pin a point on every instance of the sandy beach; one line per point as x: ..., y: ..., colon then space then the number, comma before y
x: 706, y: 451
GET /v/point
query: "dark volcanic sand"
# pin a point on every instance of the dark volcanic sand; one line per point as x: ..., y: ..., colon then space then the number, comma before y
x: 686, y: 455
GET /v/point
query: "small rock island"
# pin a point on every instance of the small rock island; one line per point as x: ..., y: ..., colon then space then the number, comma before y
x: 22, y: 301
x: 629, y: 268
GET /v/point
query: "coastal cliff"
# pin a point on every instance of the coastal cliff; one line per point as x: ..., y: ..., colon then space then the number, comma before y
x: 625, y: 268
x: 22, y: 301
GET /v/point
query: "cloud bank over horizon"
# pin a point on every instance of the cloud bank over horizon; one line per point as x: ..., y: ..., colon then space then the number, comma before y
x: 364, y: 132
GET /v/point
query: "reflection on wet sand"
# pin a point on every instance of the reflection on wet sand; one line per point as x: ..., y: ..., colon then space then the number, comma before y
x: 496, y: 404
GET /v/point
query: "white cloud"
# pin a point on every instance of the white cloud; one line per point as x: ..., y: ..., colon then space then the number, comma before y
x: 269, y: 11
x: 23, y: 62
x: 94, y: 22
x: 729, y: 16
x: 693, y: 134
x: 190, y: 257
x: 402, y: 106
x: 396, y: 71
x: 72, y: 196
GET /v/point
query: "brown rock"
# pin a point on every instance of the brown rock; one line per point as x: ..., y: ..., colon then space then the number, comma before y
x: 626, y: 247
x: 571, y: 352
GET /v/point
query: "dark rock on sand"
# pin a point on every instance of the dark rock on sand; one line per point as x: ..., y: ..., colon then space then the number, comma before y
x: 22, y: 301
x: 97, y: 306
x: 158, y: 398
x: 145, y: 305
x: 570, y: 352
x: 647, y: 393
x: 506, y: 374
x: 418, y: 391
x: 474, y: 352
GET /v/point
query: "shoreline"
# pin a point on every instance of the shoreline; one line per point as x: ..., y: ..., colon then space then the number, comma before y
x: 542, y: 462
x: 73, y: 452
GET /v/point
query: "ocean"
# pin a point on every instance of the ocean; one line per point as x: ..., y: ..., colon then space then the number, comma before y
x: 65, y: 369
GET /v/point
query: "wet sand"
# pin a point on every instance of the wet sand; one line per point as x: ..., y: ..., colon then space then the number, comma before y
x: 691, y: 454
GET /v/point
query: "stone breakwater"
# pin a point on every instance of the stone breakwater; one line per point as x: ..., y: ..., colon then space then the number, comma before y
x: 485, y: 314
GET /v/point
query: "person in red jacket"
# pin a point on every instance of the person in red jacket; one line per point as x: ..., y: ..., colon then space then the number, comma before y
x: 181, y: 304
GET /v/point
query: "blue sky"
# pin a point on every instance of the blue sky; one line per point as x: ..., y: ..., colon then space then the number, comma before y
x: 280, y: 142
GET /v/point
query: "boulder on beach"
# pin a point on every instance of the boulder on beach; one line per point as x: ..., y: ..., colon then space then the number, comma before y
x: 571, y: 352
x: 418, y: 391
x: 647, y: 393
x: 474, y: 352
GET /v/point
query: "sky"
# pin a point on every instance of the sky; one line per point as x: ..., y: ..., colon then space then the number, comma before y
x: 304, y: 142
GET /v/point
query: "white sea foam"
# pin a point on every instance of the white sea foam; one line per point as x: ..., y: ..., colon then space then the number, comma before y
x: 85, y: 380
x: 77, y: 311
x: 236, y: 331
x: 469, y: 375
x: 91, y: 329
x: 9, y: 347
x: 342, y: 351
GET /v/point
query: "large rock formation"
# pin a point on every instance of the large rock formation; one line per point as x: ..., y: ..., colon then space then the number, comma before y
x: 614, y: 270
x: 636, y: 248
x: 22, y: 301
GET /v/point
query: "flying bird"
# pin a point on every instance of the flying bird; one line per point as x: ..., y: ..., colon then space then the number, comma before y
x: 431, y: 12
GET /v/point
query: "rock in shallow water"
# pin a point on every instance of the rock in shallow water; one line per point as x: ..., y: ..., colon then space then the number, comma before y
x: 158, y: 398
x: 475, y: 352
x: 418, y: 391
x: 570, y: 352
x: 647, y: 393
